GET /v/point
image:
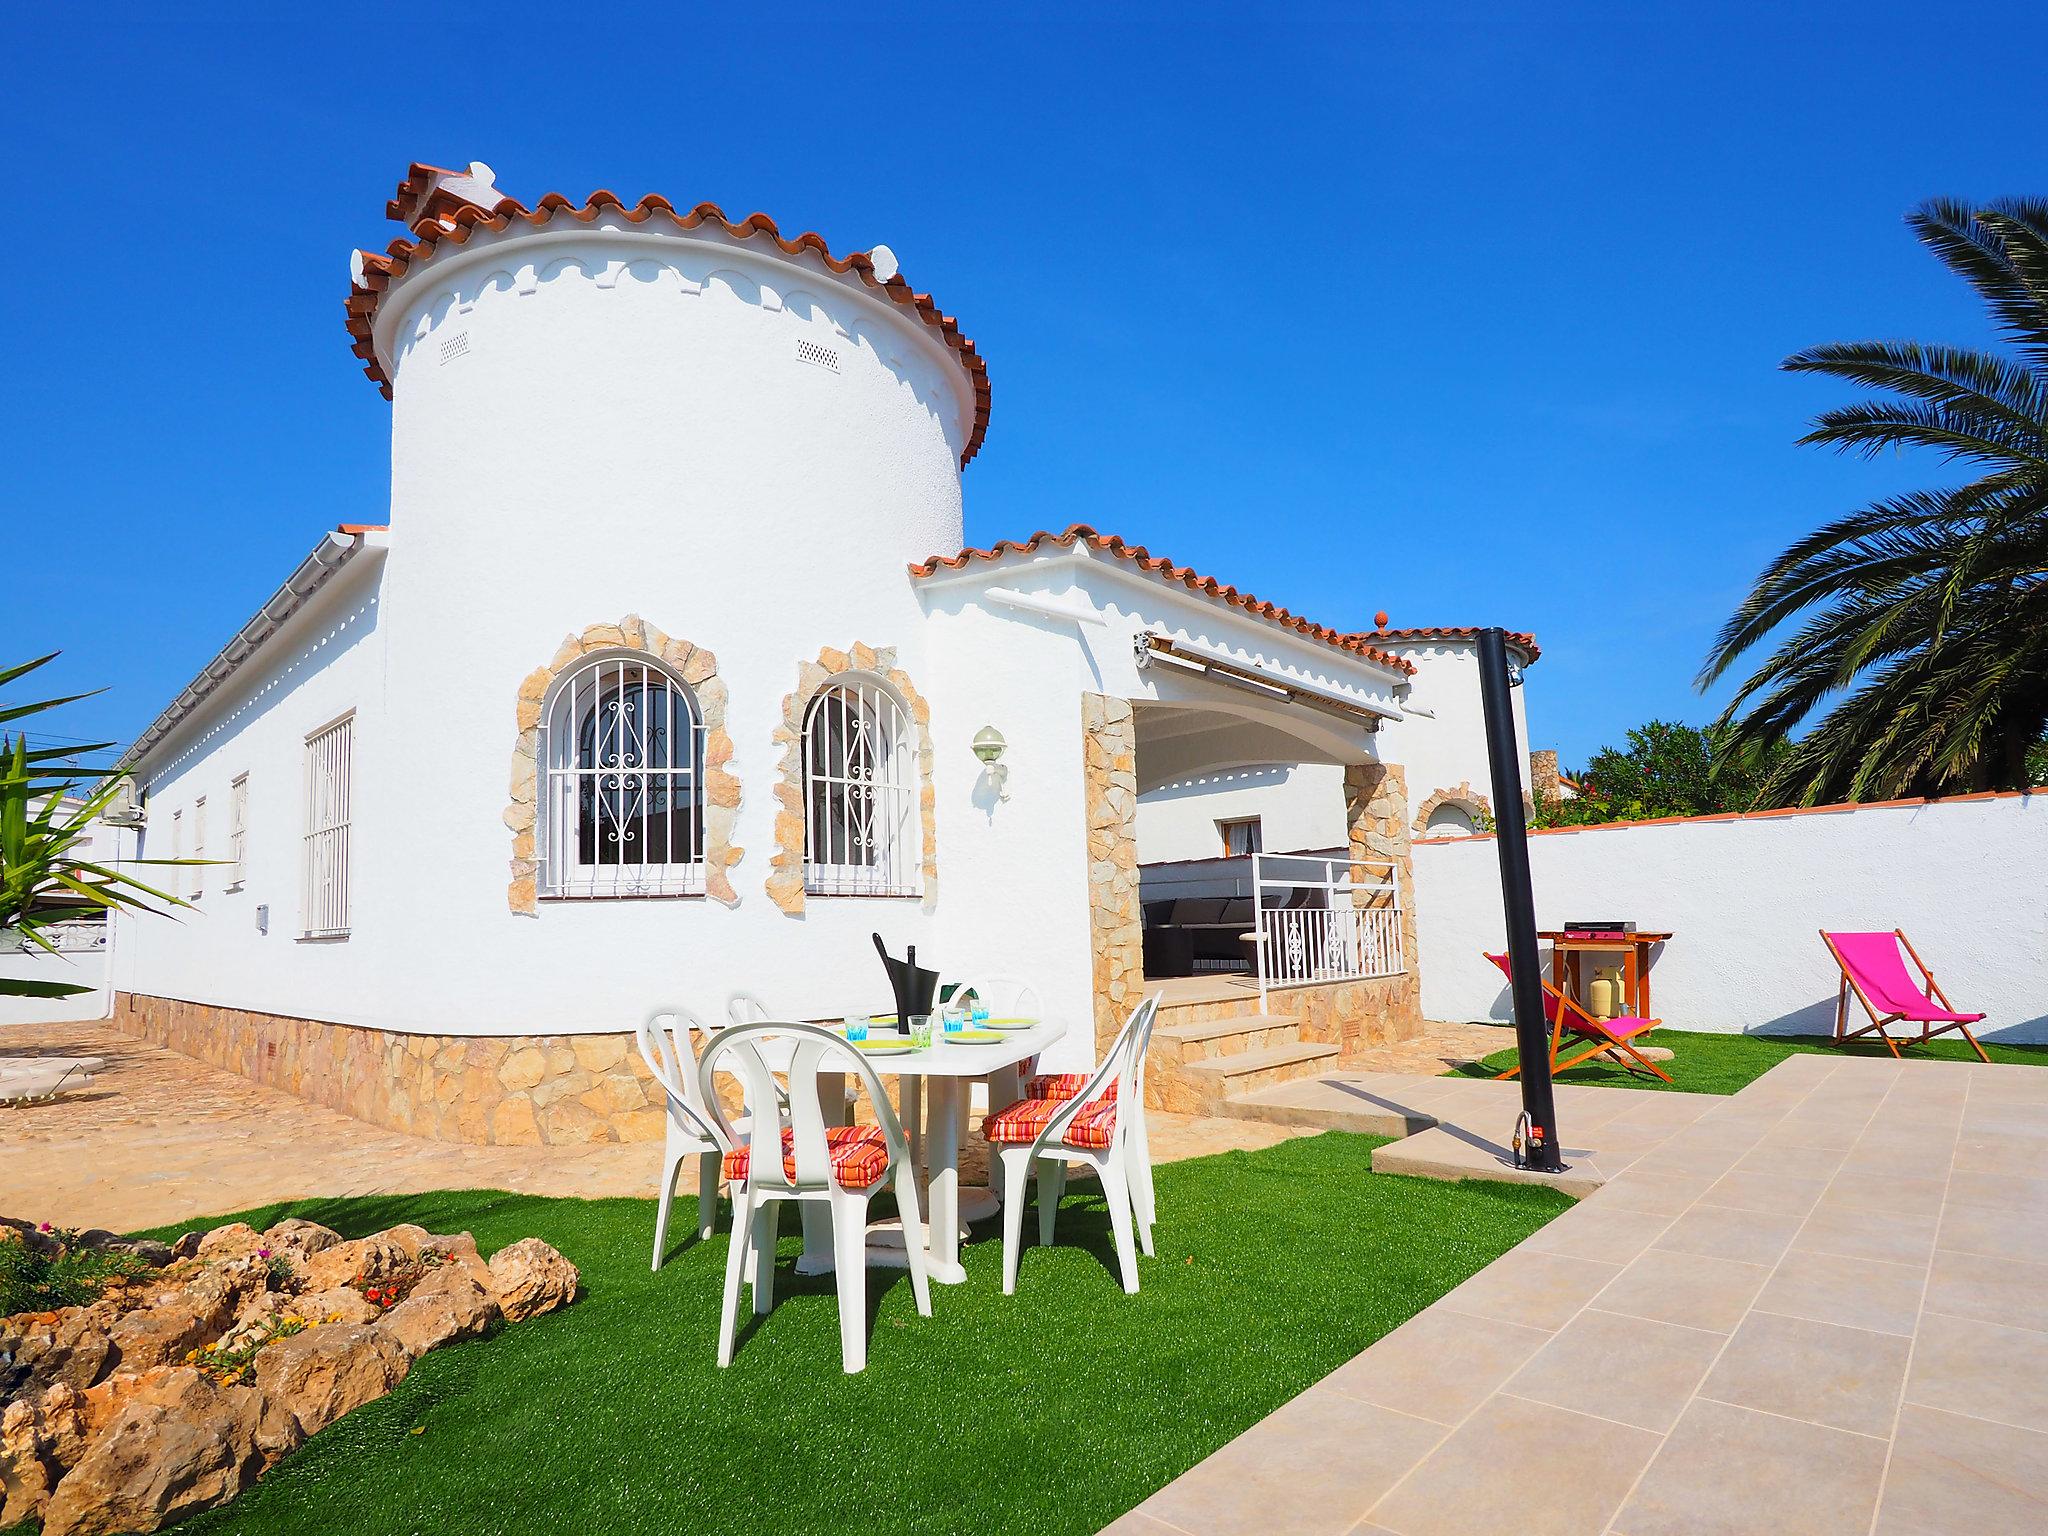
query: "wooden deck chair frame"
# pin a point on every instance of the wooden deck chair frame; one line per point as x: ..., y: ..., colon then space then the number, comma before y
x: 1599, y: 1041
x: 1929, y: 1028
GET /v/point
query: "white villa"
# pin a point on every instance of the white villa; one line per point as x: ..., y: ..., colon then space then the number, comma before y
x: 668, y: 674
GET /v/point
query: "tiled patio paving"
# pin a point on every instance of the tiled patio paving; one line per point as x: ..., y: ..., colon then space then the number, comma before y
x: 1822, y: 1308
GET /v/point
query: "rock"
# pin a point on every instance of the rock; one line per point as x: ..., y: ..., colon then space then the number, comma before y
x: 192, y: 1316
x: 71, y: 1347
x: 299, y: 1240
x: 150, y: 1251
x: 340, y: 1305
x: 187, y: 1246
x: 236, y: 1240
x: 28, y: 1473
x: 319, y: 1375
x: 179, y: 1443
x: 366, y: 1260
x: 531, y: 1278
x: 448, y: 1305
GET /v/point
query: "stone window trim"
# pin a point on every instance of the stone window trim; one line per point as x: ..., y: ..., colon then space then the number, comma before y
x: 785, y: 885
x: 698, y: 668
x: 1464, y: 797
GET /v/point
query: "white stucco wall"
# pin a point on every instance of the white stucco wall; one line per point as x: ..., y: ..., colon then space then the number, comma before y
x: 1299, y: 805
x: 327, y: 661
x: 84, y: 969
x: 1745, y: 899
x: 1442, y: 741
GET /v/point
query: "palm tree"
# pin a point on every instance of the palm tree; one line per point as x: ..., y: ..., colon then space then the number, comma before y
x: 1919, y: 621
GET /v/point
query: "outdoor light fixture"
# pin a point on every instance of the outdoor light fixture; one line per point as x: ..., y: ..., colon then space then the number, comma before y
x: 989, y: 746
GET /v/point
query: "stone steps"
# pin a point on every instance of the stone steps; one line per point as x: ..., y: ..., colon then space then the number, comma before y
x: 1215, y: 1079
x: 1329, y: 1105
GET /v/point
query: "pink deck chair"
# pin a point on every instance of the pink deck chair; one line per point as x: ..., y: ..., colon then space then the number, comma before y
x: 1874, y: 968
x: 1569, y: 1022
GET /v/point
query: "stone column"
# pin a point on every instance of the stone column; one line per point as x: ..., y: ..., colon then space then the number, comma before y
x: 1543, y: 776
x: 1109, y: 768
x: 1376, y: 811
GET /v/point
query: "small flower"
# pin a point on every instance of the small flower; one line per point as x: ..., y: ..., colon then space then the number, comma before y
x: 45, y: 1227
x: 262, y: 1253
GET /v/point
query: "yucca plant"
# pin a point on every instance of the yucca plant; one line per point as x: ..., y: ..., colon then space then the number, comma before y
x: 47, y: 806
x: 1920, y: 622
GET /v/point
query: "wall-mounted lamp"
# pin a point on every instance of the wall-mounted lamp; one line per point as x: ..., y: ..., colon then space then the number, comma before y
x: 989, y: 746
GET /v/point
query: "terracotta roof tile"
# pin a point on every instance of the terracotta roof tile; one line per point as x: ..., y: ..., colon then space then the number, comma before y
x: 436, y: 212
x: 1520, y: 640
x: 1180, y: 575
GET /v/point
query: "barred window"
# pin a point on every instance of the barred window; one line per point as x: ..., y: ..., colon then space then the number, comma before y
x: 860, y: 793
x: 621, y: 809
x: 238, y: 831
x: 330, y: 781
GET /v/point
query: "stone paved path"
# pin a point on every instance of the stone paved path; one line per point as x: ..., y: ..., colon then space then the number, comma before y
x: 161, y: 1138
x: 1821, y: 1309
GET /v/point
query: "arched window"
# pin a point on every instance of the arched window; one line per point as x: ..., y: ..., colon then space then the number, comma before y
x: 1450, y: 820
x: 860, y: 793
x: 622, y: 805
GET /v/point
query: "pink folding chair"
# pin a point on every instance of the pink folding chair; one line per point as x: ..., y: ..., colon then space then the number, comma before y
x: 1874, y: 968
x: 1612, y: 1038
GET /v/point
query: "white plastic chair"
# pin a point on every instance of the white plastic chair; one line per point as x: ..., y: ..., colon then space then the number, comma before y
x: 1049, y: 1153
x: 690, y: 1130
x: 811, y: 1168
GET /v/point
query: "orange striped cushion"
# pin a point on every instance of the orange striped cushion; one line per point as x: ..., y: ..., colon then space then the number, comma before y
x: 1020, y: 1123
x: 860, y: 1155
x: 1061, y: 1085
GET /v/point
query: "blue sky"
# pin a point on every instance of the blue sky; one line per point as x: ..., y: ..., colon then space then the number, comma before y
x: 1473, y: 316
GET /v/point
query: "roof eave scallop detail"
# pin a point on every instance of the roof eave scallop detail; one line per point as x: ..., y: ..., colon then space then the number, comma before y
x: 1457, y: 634
x: 1081, y: 535
x: 437, y: 213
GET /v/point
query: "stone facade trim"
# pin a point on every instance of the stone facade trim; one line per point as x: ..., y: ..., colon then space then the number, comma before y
x: 1463, y: 796
x: 1109, y: 770
x: 1376, y: 811
x: 698, y: 669
x: 785, y: 885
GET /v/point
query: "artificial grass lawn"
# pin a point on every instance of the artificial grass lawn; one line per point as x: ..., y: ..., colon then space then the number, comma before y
x: 1050, y: 1411
x: 1711, y: 1063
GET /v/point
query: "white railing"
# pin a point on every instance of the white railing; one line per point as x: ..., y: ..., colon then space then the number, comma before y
x: 1322, y: 919
x: 73, y: 936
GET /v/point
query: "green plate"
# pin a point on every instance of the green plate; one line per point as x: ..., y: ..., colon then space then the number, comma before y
x: 975, y: 1037
x: 888, y: 1045
x: 1010, y: 1023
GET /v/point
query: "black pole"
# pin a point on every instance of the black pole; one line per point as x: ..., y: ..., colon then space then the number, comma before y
x: 1511, y: 836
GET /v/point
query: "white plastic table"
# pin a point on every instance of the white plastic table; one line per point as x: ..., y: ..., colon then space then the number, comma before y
x: 947, y: 1070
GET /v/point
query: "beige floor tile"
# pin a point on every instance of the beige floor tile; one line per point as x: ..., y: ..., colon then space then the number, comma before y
x: 1729, y: 1471
x: 1686, y: 1289
x: 1719, y: 1232
x: 1914, y: 1196
x: 1950, y: 1473
x: 1778, y: 1194
x: 1647, y: 1189
x: 1316, y: 1465
x: 1537, y: 1290
x: 1845, y: 1378
x: 1519, y: 1467
x: 2020, y: 1157
x: 1137, y: 1523
x: 1861, y: 1234
x: 1775, y: 1159
x: 1829, y: 1134
x: 1595, y: 1229
x: 1439, y: 1365
x: 1625, y: 1368
x: 1983, y: 1369
x: 1703, y: 1151
x: 1889, y: 1159
x: 1857, y: 1293
x: 1993, y: 1118
x: 1991, y: 1290
x: 2000, y: 1233
x: 1999, y: 1191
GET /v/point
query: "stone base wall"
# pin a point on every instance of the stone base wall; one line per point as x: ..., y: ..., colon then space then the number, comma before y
x: 1376, y: 811
x: 1356, y: 1015
x: 520, y: 1090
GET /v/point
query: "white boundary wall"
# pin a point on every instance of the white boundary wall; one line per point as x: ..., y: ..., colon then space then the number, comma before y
x: 1745, y: 897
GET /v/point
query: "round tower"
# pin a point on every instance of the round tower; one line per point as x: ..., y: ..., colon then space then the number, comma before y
x: 615, y: 388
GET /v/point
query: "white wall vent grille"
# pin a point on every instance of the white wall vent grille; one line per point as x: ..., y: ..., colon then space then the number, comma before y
x: 822, y: 357
x: 454, y: 347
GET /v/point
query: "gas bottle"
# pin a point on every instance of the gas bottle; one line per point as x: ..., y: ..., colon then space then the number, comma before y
x: 1606, y: 997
